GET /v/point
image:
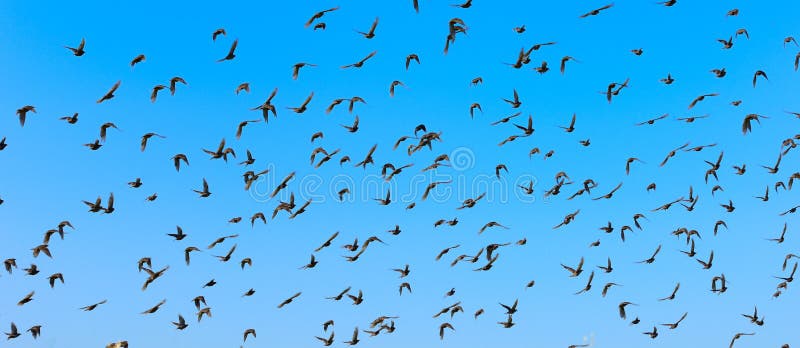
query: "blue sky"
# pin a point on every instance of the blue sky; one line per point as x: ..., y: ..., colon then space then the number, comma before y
x: 47, y: 172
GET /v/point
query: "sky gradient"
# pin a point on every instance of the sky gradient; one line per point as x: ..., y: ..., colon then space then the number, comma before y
x: 47, y: 172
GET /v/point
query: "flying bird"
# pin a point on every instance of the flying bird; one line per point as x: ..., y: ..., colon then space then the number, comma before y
x: 79, y: 51
x: 110, y: 93
x: 218, y: 32
x: 138, y: 59
x: 361, y: 62
x: 230, y: 54
x: 757, y: 74
x: 296, y: 69
x: 596, y: 11
x: 371, y: 33
x: 319, y: 15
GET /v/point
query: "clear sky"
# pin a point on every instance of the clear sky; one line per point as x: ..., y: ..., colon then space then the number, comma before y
x: 45, y: 171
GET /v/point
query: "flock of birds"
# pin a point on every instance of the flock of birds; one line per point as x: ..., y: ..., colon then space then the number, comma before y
x: 422, y: 138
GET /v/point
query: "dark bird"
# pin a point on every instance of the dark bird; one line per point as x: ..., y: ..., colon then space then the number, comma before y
x: 23, y: 112
x: 394, y: 84
x: 206, y: 311
x: 774, y: 169
x: 653, y: 334
x: 283, y: 184
x: 790, y: 278
x: 728, y: 207
x: 241, y: 126
x: 181, y: 324
x: 54, y: 277
x: 110, y: 93
x: 173, y: 84
x: 622, y: 306
x: 357, y: 300
x: 302, y: 108
x: 92, y: 307
x: 609, y: 194
x: 354, y: 127
x: 607, y: 268
x: 35, y: 331
x: 574, y: 272
x: 472, y: 110
x: 178, y: 235
x: 146, y: 137
x: 411, y: 57
x: 465, y: 4
x: 311, y: 264
x: 596, y: 11
x: 780, y: 239
x: 571, y: 127
x: 738, y: 336
x: 564, y: 61
x: 588, y: 285
x: 104, y: 129
x: 340, y: 295
x: 300, y: 210
x: 691, y: 119
x: 653, y: 120
x: 361, y: 62
x: 445, y: 326
x: 757, y: 74
x: 205, y: 192
x: 508, y: 323
x: 515, y: 103
x: 155, y: 308
x: 726, y: 44
x: 371, y: 33
x: 26, y: 299
x: 245, y: 86
x: 289, y: 300
x: 249, y: 332
x: 719, y: 73
x: 672, y: 295
x: 326, y: 341
x: 607, y: 287
x: 354, y: 339
x: 796, y: 61
x: 701, y: 98
x: 176, y: 160
x: 327, y: 242
x: 672, y: 153
x: 296, y: 69
x: 78, y: 51
x: 218, y: 32
x: 186, y: 253
x: 754, y: 318
x: 246, y: 261
x: 227, y: 257
x: 790, y: 211
x: 667, y: 80
x: 231, y: 54
x: 138, y: 59
x: 653, y: 257
x: 319, y: 15
x: 14, y: 333
x: 221, y: 240
x: 110, y: 205
x: 628, y: 164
